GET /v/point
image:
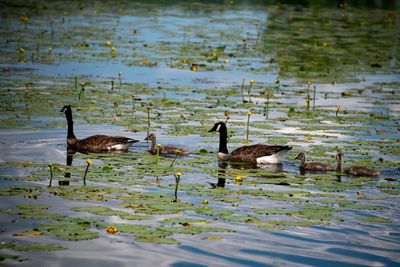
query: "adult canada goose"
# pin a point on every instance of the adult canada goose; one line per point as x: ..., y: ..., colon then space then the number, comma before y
x: 354, y: 170
x: 164, y: 149
x: 95, y: 143
x: 312, y: 166
x: 259, y: 153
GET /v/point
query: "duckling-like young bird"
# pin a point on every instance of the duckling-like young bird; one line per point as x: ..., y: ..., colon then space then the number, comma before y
x: 164, y: 149
x: 258, y: 153
x: 354, y: 170
x: 95, y: 143
x: 312, y: 166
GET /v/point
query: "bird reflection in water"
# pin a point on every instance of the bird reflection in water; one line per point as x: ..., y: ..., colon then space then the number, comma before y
x: 70, y: 157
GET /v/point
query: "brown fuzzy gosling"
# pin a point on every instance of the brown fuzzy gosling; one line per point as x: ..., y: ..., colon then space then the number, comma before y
x: 164, y: 149
x: 312, y: 166
x: 354, y: 170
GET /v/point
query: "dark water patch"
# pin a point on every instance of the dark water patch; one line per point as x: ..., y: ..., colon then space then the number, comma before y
x: 364, y: 256
x: 219, y: 256
x: 309, y: 261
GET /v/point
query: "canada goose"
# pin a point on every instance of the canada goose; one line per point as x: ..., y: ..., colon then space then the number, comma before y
x: 312, y: 166
x: 95, y: 143
x: 164, y: 149
x: 354, y: 170
x: 259, y: 153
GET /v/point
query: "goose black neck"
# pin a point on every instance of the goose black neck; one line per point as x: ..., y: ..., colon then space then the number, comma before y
x: 223, y: 137
x: 70, y: 122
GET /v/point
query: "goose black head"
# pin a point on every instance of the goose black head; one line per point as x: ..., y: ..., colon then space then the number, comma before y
x: 217, y: 127
x: 66, y: 108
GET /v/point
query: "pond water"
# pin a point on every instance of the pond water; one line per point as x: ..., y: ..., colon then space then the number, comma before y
x: 174, y: 69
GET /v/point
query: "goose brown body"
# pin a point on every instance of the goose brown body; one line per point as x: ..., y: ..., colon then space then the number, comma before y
x: 354, y: 170
x: 258, y: 153
x: 168, y: 149
x: 95, y: 143
x: 312, y: 166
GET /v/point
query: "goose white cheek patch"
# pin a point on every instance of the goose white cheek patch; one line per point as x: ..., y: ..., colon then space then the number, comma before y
x: 219, y: 126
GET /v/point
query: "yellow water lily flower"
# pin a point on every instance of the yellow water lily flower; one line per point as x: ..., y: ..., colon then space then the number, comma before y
x: 24, y: 19
x: 21, y: 50
x: 205, y: 202
x: 249, y: 113
x: 238, y: 178
x: 179, y: 174
x: 252, y: 82
x: 89, y: 162
x: 112, y: 230
x: 108, y: 43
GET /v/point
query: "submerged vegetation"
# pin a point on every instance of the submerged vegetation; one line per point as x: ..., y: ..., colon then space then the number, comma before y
x: 329, y: 88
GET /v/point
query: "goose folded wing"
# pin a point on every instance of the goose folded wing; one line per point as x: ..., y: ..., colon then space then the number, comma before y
x: 252, y: 152
x: 103, y: 142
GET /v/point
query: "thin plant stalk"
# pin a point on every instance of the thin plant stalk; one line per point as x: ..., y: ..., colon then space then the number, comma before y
x: 120, y: 80
x: 267, y: 108
x: 76, y: 83
x: 315, y: 89
x: 241, y: 89
x: 248, y: 125
x: 308, y: 96
x: 148, y: 121
x: 133, y: 107
x: 89, y: 162
x: 249, y: 89
x: 177, y: 180
x: 176, y: 155
x: 112, y: 85
x: 81, y: 92
x: 51, y: 174
x: 158, y: 152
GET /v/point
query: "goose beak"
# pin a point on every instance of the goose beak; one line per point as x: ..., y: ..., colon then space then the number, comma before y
x: 147, y: 138
x: 214, y: 128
